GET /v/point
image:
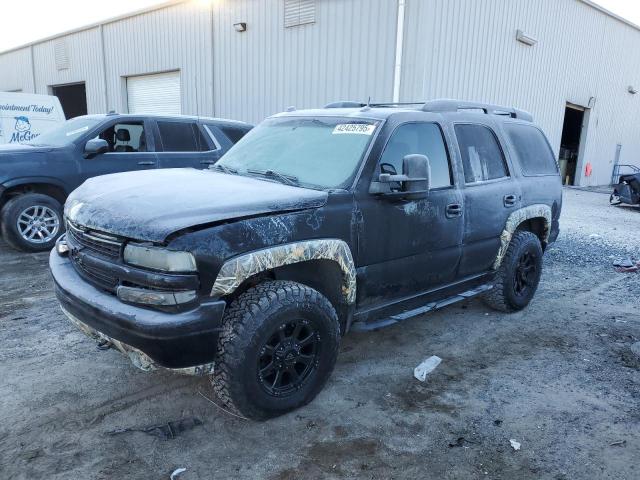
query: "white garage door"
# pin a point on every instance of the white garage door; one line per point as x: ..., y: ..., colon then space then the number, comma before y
x: 159, y: 93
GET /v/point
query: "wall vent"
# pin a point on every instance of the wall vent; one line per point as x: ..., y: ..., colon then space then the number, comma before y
x: 61, y: 54
x: 299, y: 12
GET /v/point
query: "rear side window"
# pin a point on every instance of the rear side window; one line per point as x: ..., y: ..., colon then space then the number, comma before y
x: 178, y: 137
x: 234, y: 134
x: 421, y: 138
x: 482, y: 157
x: 532, y: 149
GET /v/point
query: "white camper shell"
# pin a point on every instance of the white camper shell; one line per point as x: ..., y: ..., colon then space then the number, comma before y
x: 24, y: 116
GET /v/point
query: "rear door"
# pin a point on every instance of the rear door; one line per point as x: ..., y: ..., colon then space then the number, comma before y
x: 186, y: 143
x: 131, y: 147
x: 491, y: 193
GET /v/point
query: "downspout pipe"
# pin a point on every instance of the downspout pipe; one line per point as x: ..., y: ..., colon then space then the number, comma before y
x: 397, y: 74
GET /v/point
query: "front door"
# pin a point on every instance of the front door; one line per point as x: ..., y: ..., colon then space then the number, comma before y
x: 185, y: 144
x: 406, y: 246
x: 130, y: 148
x: 490, y: 195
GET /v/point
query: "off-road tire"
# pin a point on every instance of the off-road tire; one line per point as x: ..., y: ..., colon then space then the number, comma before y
x: 9, y: 218
x: 503, y: 296
x: 251, y: 320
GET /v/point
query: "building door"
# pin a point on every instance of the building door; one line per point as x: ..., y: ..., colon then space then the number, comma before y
x: 572, y: 143
x: 73, y: 99
x: 156, y: 94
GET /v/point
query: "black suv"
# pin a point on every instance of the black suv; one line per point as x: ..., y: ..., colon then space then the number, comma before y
x: 36, y: 178
x: 316, y: 223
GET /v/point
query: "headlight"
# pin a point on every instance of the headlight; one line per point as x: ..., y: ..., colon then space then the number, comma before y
x: 159, y: 259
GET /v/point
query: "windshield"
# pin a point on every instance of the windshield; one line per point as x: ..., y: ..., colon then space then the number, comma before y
x: 66, y: 133
x: 316, y: 153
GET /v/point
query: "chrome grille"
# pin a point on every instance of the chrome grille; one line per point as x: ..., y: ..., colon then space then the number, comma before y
x: 97, y: 242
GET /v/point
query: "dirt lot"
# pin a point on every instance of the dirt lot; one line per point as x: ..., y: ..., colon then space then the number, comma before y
x: 560, y: 378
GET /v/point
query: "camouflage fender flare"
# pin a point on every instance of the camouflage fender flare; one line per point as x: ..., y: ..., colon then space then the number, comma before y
x: 238, y: 269
x: 515, y: 219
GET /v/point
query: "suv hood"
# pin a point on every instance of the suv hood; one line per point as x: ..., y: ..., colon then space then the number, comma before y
x: 150, y: 205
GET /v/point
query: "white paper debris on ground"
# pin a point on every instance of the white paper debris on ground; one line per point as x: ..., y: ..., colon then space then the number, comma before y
x: 426, y: 367
x: 515, y: 444
x: 176, y: 472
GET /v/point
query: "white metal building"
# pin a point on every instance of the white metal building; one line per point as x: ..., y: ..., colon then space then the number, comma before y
x: 574, y: 65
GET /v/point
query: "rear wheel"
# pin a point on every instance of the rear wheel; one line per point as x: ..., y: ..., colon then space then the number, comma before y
x: 277, y: 349
x: 32, y: 222
x: 519, y: 274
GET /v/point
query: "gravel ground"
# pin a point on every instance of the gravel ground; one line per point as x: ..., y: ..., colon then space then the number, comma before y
x: 560, y: 378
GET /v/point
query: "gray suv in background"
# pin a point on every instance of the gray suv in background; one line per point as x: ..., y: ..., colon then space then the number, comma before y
x: 35, y: 178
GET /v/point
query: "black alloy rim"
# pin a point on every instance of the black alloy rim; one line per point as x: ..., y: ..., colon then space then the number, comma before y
x: 525, y: 274
x: 289, y: 357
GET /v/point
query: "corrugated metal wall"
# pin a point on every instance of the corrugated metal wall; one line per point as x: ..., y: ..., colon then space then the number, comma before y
x: 452, y: 48
x: 345, y: 54
x: 15, y: 71
x: 468, y: 49
x: 84, y: 65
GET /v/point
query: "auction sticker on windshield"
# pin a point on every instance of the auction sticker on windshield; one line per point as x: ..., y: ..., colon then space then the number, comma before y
x: 357, y: 128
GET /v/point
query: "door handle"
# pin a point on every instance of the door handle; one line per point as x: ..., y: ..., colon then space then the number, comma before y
x: 147, y: 162
x: 509, y: 200
x: 453, y: 210
x: 208, y: 162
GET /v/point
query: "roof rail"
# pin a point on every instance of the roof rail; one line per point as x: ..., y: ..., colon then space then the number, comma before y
x: 447, y: 105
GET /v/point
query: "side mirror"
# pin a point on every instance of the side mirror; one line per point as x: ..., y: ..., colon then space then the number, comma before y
x: 94, y: 147
x: 415, y: 178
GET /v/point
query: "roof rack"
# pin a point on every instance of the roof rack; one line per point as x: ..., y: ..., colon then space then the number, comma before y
x: 345, y: 104
x: 447, y: 105
x: 444, y: 105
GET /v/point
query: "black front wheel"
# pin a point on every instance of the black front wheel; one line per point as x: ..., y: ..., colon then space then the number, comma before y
x: 519, y: 274
x: 32, y: 222
x: 277, y: 349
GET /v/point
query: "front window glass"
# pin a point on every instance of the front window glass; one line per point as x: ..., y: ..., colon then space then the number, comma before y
x: 312, y: 152
x: 67, y: 132
x: 421, y: 138
x: 125, y: 137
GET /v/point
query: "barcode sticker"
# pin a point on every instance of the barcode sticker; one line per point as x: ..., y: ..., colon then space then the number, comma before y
x: 354, y: 128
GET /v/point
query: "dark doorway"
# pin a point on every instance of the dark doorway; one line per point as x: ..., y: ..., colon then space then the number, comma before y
x: 73, y: 99
x: 570, y: 143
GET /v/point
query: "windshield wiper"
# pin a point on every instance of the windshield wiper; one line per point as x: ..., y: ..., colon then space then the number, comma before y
x: 224, y: 168
x: 288, y: 179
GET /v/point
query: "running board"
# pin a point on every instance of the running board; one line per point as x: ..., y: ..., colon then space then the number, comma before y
x: 429, y: 307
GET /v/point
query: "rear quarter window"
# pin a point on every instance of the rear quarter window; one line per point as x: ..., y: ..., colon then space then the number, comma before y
x: 532, y: 150
x: 233, y: 133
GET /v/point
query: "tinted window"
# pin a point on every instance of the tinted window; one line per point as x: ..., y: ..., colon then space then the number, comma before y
x: 125, y: 137
x: 232, y: 133
x: 178, y: 137
x: 482, y: 157
x: 532, y: 149
x: 421, y: 138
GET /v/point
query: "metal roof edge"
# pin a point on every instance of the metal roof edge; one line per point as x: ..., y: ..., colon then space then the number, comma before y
x: 609, y: 13
x: 171, y: 3
x: 135, y: 13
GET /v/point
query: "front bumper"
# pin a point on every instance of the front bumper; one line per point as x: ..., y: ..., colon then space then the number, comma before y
x: 185, y: 341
